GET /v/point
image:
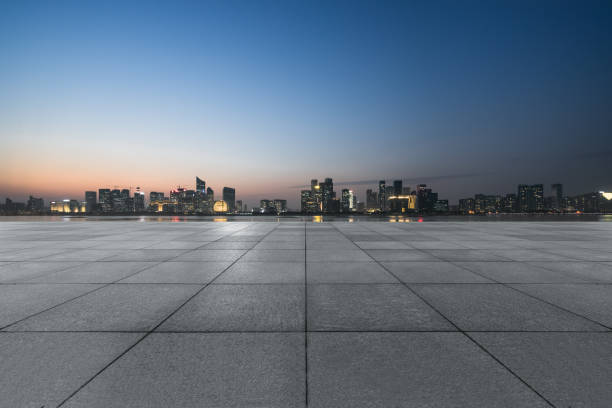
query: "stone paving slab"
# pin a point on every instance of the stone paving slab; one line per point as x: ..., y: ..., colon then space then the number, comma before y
x: 283, y: 313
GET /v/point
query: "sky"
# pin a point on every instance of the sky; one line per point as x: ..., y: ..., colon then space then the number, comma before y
x: 468, y: 97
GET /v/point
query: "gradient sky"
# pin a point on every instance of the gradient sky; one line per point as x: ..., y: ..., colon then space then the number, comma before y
x: 263, y: 96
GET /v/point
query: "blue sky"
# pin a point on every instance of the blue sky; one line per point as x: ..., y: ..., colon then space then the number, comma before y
x: 262, y: 95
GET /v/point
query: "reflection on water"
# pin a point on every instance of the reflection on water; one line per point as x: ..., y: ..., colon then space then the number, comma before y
x: 319, y: 218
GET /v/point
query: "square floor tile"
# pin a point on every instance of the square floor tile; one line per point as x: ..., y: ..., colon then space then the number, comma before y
x: 389, y: 255
x: 217, y: 255
x: 369, y: 308
x: 179, y: 272
x: 341, y: 255
x: 274, y: 255
x: 569, y: 369
x: 348, y: 272
x: 584, y: 271
x: 263, y: 272
x: 517, y: 272
x: 43, y: 369
x: 432, y: 272
x: 94, y: 272
x: 203, y: 370
x: 355, y: 370
x: 22, y: 271
x: 242, y: 308
x: 491, y: 307
x: 20, y: 301
x: 592, y: 301
x: 115, y: 307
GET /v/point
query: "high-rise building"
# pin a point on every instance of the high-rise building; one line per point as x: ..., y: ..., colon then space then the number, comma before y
x: 397, y: 187
x: 557, y: 190
x: 345, y: 200
x: 372, y: 200
x: 200, y: 185
x: 239, y: 206
x: 382, y: 195
x: 327, y: 194
x: 530, y: 197
x: 210, y: 194
x: 280, y: 205
x: 229, y: 196
x: 308, y: 204
x: 426, y: 199
x: 90, y: 201
x: 139, y: 200
x: 37, y: 205
x: 105, y: 199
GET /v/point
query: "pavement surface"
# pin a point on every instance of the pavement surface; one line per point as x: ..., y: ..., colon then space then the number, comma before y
x: 295, y: 314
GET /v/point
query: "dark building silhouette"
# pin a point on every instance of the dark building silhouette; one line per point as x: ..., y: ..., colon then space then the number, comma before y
x: 530, y: 198
x: 229, y: 196
x: 90, y: 201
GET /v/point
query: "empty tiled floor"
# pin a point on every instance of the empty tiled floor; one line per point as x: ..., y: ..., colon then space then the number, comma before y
x: 295, y: 314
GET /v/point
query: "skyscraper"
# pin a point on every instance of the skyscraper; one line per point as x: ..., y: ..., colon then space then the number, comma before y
x: 557, y: 196
x: 531, y: 197
x: 345, y: 200
x: 280, y: 205
x: 382, y: 195
x: 200, y: 185
x: 371, y: 200
x: 229, y: 196
x: 397, y: 187
x: 90, y: 201
x: 105, y: 200
x: 327, y: 194
x: 139, y: 201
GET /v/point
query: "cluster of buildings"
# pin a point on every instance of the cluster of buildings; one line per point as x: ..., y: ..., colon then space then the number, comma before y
x: 200, y: 201
x: 531, y: 199
x: 321, y: 198
x: 395, y: 198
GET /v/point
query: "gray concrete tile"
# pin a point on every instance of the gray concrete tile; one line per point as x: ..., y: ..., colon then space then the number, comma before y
x: 381, y: 245
x: 43, y: 369
x: 274, y: 255
x: 592, y: 301
x: 432, y: 272
x: 341, y: 255
x: 230, y: 245
x: 348, y: 272
x: 203, y: 370
x: 115, y: 307
x: 569, y: 369
x: 383, y: 370
x: 280, y: 245
x: 584, y: 271
x: 263, y: 272
x: 517, y: 272
x: 176, y: 245
x: 179, y: 272
x: 20, y: 301
x: 390, y: 255
x: 465, y: 255
x: 495, y: 307
x: 528, y: 255
x: 217, y: 255
x: 369, y: 308
x: 94, y: 272
x: 146, y: 255
x: 21, y: 271
x: 242, y: 308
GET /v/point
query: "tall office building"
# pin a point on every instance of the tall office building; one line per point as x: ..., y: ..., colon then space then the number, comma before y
x: 345, y: 200
x: 229, y: 196
x: 397, y: 187
x: 280, y: 205
x: 371, y: 200
x: 382, y: 195
x: 90, y: 201
x: 37, y: 205
x: 105, y: 200
x: 200, y: 185
x: 327, y: 194
x: 239, y: 205
x: 139, y: 200
x: 557, y: 196
x: 426, y: 199
x: 530, y: 197
x: 210, y: 194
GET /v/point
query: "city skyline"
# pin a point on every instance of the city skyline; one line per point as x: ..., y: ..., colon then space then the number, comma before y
x: 262, y: 96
